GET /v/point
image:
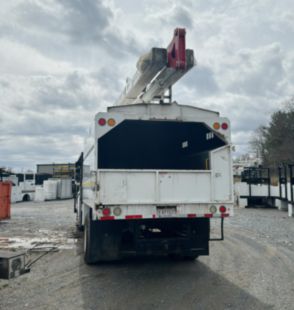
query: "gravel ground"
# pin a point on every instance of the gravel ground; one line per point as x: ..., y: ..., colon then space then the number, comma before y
x: 270, y: 224
x: 251, y: 269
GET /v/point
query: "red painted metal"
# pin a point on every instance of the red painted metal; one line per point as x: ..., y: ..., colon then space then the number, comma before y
x: 106, y: 218
x: 191, y: 215
x: 225, y: 215
x: 132, y: 217
x: 5, y: 200
x: 176, y: 51
x: 208, y: 215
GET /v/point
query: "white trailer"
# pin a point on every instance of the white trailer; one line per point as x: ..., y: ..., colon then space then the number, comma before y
x: 152, y: 176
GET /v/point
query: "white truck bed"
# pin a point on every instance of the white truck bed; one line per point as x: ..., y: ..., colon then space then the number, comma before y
x: 142, y: 192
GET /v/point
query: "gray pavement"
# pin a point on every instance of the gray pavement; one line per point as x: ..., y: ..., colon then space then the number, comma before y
x: 251, y: 269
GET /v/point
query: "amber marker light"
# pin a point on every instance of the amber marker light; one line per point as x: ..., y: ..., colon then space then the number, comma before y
x: 111, y: 122
x: 216, y: 126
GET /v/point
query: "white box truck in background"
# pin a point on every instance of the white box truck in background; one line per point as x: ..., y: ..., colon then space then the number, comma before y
x: 153, y: 175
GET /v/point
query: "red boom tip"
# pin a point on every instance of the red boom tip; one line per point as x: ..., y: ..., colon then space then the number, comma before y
x: 176, y: 51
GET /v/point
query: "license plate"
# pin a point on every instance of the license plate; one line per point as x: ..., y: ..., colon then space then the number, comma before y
x: 166, y: 211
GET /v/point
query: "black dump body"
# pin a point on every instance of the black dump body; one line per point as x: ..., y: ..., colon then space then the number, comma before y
x: 139, y: 144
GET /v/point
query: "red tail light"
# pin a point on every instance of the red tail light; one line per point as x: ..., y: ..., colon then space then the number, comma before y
x: 222, y: 209
x: 225, y: 126
x: 106, y: 211
x: 102, y: 121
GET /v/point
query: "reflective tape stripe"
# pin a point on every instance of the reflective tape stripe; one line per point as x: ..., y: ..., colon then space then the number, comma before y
x: 225, y: 215
x: 106, y: 218
x: 189, y: 215
x: 131, y: 217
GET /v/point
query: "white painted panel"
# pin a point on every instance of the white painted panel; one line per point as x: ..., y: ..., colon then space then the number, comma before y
x: 289, y: 191
x: 290, y: 210
x: 259, y: 190
x: 113, y: 187
x: 127, y: 187
x: 141, y: 187
x: 222, y: 174
x: 283, y: 191
x: 275, y: 191
x: 241, y: 189
x: 184, y: 187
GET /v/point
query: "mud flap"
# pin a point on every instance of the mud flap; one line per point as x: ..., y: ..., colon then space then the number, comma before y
x: 102, y: 241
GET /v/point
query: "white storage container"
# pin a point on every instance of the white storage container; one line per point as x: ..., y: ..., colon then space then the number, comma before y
x: 65, y: 189
x: 39, y: 193
x: 15, y: 194
x: 50, y: 189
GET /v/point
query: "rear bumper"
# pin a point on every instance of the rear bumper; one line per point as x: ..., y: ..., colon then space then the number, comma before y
x: 182, y: 211
x: 164, y: 236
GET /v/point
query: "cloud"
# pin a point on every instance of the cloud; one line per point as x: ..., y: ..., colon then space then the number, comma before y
x: 174, y: 15
x: 63, y: 61
x: 82, y: 21
x: 41, y: 114
x: 25, y: 152
x: 260, y: 72
x: 26, y: 60
x: 202, y: 80
x: 79, y: 24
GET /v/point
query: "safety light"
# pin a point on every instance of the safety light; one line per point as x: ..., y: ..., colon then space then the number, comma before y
x: 117, y: 211
x: 213, y: 209
x: 111, y: 122
x: 225, y: 126
x: 216, y: 125
x: 106, y: 211
x: 102, y: 121
x: 222, y: 209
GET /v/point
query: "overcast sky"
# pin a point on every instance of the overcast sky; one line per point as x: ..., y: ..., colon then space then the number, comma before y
x: 63, y: 61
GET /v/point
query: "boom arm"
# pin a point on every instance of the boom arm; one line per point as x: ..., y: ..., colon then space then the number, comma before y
x: 158, y: 70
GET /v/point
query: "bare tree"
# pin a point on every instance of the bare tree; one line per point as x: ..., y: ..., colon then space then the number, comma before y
x: 274, y: 144
x: 257, y: 143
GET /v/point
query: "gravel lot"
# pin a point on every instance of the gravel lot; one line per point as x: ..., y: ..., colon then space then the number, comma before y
x: 253, y: 268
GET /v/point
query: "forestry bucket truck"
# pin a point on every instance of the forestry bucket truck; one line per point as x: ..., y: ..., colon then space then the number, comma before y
x: 154, y: 172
